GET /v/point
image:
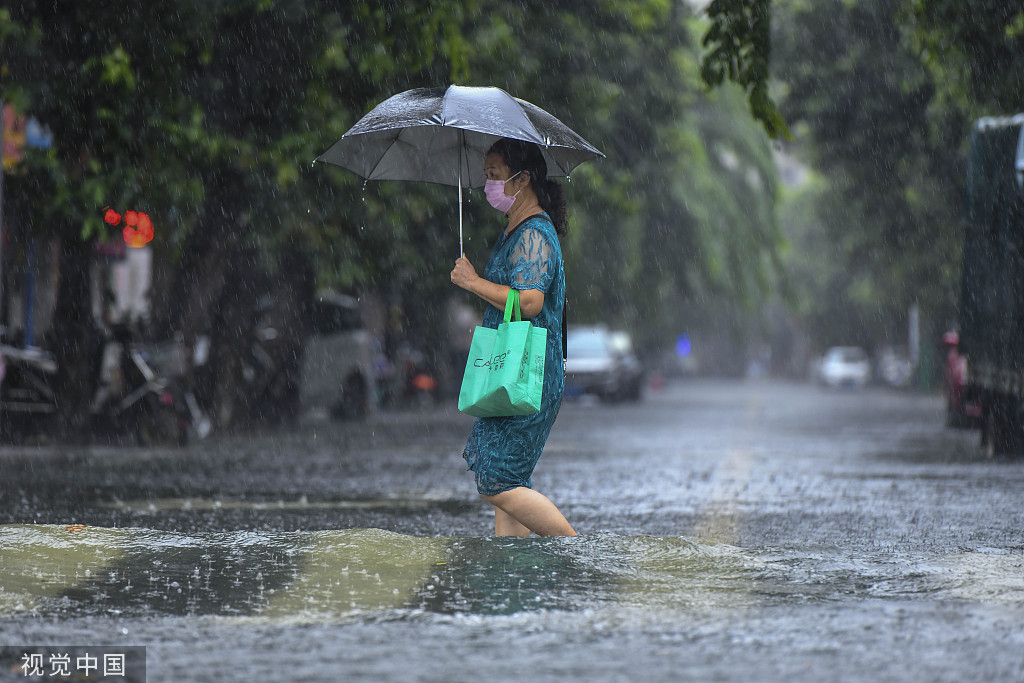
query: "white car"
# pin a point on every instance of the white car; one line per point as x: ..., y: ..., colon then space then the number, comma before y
x: 844, y: 366
x: 602, y: 362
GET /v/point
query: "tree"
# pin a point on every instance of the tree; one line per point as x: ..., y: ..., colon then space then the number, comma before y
x: 102, y: 91
x: 209, y: 113
x: 739, y: 50
x: 217, y: 154
x: 678, y: 218
x: 684, y: 187
x: 861, y: 102
x: 976, y: 56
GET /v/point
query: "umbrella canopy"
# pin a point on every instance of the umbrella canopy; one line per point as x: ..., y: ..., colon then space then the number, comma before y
x: 440, y: 135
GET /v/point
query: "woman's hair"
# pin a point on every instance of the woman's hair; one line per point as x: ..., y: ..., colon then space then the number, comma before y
x: 520, y: 155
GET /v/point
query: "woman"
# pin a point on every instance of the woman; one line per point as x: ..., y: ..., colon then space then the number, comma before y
x: 502, y: 451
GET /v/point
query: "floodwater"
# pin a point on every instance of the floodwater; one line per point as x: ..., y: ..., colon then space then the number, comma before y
x: 730, y: 531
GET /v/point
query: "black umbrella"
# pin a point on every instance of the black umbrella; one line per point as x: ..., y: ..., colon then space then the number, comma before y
x: 440, y: 135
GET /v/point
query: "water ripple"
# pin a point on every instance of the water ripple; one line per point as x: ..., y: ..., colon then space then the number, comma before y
x: 368, y: 575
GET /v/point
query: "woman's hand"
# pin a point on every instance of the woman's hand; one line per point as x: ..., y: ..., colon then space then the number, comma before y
x: 464, y: 274
x: 531, y: 301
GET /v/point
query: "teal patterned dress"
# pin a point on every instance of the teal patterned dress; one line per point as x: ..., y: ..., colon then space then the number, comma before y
x: 502, y: 451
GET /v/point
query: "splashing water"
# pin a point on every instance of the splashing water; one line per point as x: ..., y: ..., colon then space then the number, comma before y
x: 369, y: 573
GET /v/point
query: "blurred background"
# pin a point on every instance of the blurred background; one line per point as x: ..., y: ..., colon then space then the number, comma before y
x: 781, y: 178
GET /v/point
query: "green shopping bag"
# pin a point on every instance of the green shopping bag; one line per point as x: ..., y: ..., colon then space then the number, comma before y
x: 505, y: 369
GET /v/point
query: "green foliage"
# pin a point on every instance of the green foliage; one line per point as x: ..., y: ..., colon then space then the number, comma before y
x: 678, y: 219
x: 165, y: 105
x: 168, y: 105
x: 102, y: 90
x: 976, y: 56
x: 881, y: 223
x: 739, y: 50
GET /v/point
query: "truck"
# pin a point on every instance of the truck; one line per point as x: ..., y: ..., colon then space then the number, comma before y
x: 991, y: 321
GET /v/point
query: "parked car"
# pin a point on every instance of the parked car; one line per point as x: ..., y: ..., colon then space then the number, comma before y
x: 337, y: 370
x: 602, y: 362
x: 844, y: 366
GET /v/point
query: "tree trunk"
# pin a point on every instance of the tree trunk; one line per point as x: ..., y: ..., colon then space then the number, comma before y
x: 200, y: 275
x: 77, y: 339
x: 295, y: 288
x: 231, y: 330
x: 205, y: 296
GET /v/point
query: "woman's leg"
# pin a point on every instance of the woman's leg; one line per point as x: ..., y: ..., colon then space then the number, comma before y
x: 531, y: 510
x: 506, y: 525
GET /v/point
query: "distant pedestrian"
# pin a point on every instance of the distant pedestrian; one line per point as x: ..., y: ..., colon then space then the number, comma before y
x: 503, y: 451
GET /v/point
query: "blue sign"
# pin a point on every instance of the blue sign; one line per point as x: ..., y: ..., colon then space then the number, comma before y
x: 683, y: 346
x: 37, y: 135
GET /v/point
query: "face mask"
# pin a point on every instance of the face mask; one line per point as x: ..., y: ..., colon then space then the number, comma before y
x: 496, y: 197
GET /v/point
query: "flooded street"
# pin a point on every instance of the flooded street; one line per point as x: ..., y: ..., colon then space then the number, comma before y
x: 730, y: 531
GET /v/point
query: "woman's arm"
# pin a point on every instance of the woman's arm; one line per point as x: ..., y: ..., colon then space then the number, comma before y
x: 531, y: 301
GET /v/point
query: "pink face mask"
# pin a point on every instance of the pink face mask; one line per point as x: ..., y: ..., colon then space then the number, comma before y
x: 496, y: 197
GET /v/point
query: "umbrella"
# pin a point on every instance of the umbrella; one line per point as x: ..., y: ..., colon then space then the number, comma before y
x: 441, y: 135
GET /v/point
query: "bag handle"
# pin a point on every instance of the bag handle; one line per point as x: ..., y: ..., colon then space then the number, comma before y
x: 512, y: 305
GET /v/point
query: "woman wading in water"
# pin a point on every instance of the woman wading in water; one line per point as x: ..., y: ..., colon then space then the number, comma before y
x: 503, y: 451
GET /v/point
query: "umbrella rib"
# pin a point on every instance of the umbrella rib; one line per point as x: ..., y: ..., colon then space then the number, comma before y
x: 398, y: 134
x: 462, y: 155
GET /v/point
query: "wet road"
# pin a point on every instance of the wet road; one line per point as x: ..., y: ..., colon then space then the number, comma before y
x: 730, y: 531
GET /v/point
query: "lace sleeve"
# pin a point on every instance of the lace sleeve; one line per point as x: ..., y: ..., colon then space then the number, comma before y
x: 532, y: 260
